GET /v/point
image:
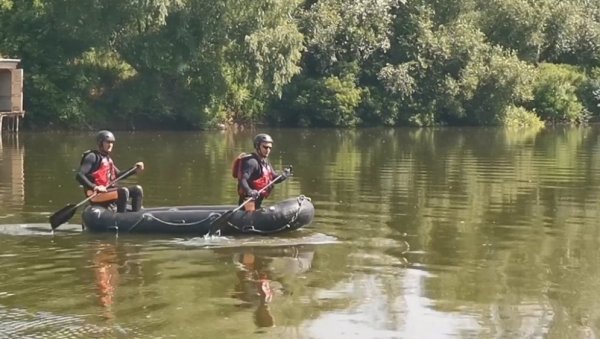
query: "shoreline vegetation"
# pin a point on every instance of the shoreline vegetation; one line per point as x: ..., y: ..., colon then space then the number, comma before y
x: 195, y: 65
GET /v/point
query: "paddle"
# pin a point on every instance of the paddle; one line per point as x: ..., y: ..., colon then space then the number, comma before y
x: 66, y: 213
x: 218, y: 223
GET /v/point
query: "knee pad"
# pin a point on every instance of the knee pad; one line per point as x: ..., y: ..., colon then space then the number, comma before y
x: 136, y: 190
x: 123, y: 193
x: 137, y: 195
x: 123, y: 196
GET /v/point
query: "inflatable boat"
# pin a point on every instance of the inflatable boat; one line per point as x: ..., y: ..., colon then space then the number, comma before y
x: 286, y: 215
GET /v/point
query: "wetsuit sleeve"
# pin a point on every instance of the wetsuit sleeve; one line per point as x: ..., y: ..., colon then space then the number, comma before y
x: 249, y: 168
x: 86, y: 167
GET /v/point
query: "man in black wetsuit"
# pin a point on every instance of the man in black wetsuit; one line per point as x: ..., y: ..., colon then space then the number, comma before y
x: 256, y: 173
x: 97, y: 173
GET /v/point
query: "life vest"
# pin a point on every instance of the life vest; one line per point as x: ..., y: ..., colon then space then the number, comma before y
x: 261, y: 182
x: 103, y: 171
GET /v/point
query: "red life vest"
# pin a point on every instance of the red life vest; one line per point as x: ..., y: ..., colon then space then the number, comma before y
x: 266, y: 175
x: 103, y: 172
x: 264, y: 179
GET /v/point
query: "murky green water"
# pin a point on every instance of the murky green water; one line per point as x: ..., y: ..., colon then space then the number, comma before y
x: 418, y: 234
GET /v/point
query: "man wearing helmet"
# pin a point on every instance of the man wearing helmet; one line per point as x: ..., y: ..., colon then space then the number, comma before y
x: 97, y: 172
x: 257, y: 173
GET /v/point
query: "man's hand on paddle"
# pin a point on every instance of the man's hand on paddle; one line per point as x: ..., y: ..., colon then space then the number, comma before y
x: 139, y: 166
x: 287, y: 172
x: 253, y: 194
x: 100, y: 188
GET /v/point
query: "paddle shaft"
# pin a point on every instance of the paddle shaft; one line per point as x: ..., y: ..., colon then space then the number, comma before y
x: 227, y: 214
x: 87, y: 199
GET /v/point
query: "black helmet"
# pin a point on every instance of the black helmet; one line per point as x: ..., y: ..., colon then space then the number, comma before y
x: 261, y: 138
x: 104, y: 136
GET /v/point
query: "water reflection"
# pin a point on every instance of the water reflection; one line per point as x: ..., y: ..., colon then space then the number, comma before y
x: 484, y: 232
x: 262, y: 283
x: 262, y: 273
x: 108, y: 264
x: 12, y: 172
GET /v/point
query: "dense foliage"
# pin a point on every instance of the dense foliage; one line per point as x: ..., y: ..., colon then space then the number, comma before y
x: 196, y: 64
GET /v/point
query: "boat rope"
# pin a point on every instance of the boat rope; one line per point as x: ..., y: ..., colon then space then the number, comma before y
x: 149, y: 216
x: 251, y: 229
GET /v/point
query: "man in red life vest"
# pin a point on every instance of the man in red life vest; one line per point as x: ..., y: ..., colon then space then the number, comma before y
x: 97, y: 171
x: 256, y: 173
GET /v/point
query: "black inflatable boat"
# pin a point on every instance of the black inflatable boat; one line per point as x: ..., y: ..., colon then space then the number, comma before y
x: 286, y: 215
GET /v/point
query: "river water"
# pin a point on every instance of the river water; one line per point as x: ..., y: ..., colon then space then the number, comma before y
x: 418, y: 233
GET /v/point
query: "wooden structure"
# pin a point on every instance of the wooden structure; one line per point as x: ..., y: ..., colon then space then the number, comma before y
x: 11, y: 93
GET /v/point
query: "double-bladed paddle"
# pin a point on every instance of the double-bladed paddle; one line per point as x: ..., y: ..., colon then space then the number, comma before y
x: 66, y: 213
x: 220, y: 222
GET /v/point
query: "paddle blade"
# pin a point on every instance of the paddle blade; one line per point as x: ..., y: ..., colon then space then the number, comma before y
x: 62, y: 216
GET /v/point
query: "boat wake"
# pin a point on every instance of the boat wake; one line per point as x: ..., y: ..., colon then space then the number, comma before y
x: 290, y: 239
x: 252, y: 241
x: 40, y: 229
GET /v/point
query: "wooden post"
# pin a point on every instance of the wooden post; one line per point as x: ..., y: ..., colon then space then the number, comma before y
x: 12, y: 125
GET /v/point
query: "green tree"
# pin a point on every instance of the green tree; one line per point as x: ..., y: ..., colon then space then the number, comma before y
x: 555, y: 94
x: 181, y: 62
x: 517, y: 25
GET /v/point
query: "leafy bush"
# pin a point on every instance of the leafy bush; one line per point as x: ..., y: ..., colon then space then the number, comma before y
x: 555, y: 94
x: 323, y: 102
x: 520, y: 117
x: 590, y: 92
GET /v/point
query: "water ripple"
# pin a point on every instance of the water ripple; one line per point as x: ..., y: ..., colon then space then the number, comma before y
x: 19, y: 323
